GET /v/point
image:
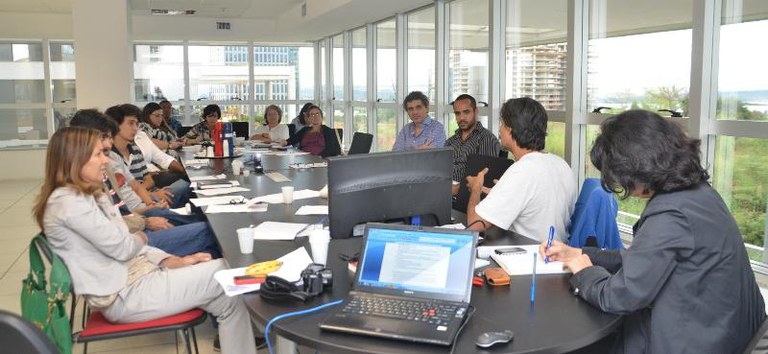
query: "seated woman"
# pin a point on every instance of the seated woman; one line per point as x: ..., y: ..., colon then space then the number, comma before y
x: 201, y: 132
x: 685, y: 284
x: 316, y: 138
x: 272, y: 130
x: 114, y: 269
x: 153, y: 123
x: 301, y: 119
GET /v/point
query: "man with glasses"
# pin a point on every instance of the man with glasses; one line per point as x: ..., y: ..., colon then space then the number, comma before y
x: 169, y: 118
x: 422, y: 132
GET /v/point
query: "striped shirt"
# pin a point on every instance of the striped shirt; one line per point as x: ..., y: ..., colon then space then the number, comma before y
x: 158, y: 133
x: 136, y: 164
x: 480, y: 141
x: 432, y: 132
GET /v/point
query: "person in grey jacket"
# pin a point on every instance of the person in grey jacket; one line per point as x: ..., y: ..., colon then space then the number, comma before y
x: 114, y: 269
x: 685, y: 284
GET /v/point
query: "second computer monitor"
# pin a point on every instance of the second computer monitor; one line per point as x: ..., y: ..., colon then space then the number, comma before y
x: 386, y: 186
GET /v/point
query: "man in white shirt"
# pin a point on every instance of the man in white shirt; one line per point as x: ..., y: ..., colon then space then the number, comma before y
x: 538, y: 191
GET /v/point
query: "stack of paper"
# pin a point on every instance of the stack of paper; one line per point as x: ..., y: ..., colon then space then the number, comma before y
x: 277, y: 198
x: 274, y: 230
x: 220, y: 191
x: 313, y: 210
x: 207, y: 178
x: 195, y: 162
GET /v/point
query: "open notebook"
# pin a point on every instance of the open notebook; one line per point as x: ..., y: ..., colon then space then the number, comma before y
x: 522, y: 264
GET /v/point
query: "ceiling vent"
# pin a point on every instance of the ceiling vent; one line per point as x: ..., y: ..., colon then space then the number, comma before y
x: 166, y: 12
x: 224, y: 26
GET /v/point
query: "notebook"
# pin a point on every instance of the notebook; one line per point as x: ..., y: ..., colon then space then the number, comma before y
x: 522, y: 264
x: 412, y: 284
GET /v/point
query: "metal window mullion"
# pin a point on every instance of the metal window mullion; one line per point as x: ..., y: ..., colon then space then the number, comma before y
x: 497, y: 60
x: 349, y: 125
x: 251, y: 88
x: 329, y: 90
x: 401, y: 56
x: 48, y: 84
x: 370, y: 48
x: 576, y: 88
x: 442, y: 37
x: 318, y: 89
x: 187, y: 87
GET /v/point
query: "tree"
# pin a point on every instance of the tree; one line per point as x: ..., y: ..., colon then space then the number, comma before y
x: 665, y: 97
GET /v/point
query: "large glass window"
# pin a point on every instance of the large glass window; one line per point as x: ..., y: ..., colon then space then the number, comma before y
x: 220, y: 73
x: 158, y: 72
x: 639, y: 61
x: 23, y: 120
x: 385, y: 128
x: 338, y: 67
x: 421, y: 51
x: 468, y: 54
x: 359, y: 66
x: 741, y: 163
x: 386, y: 62
x: 536, y: 39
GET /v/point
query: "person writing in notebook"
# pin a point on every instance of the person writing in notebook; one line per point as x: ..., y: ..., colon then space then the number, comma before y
x: 537, y: 191
x: 686, y: 284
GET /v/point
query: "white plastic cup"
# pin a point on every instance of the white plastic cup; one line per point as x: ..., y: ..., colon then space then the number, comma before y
x: 236, y: 169
x: 245, y: 237
x: 318, y: 242
x: 288, y: 194
x: 246, y: 172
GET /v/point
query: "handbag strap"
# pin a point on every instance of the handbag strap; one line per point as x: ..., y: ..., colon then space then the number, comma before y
x: 60, y: 280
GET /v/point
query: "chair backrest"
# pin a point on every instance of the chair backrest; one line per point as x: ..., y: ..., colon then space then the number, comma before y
x: 361, y: 143
x: 759, y: 342
x: 504, y: 154
x: 340, y: 134
x: 291, y: 130
x: 593, y: 222
x: 18, y: 335
x: 241, y: 129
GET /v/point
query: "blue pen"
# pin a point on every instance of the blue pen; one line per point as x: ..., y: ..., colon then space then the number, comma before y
x: 549, y: 241
x: 533, y: 279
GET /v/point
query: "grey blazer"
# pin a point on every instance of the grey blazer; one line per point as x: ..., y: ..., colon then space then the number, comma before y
x: 91, y: 238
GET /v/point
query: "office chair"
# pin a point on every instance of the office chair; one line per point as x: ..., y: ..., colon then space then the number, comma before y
x: 361, y: 143
x: 96, y: 327
x: 504, y: 154
x: 18, y: 335
x: 759, y: 342
x: 593, y: 222
x: 291, y: 130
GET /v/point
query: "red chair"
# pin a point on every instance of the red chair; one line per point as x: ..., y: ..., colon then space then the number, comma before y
x: 98, y: 328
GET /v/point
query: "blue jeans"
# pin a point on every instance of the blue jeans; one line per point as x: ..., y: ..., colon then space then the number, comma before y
x: 173, y: 218
x: 185, y: 240
x: 181, y: 193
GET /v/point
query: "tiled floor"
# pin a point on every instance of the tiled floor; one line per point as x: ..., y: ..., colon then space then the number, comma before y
x: 16, y: 200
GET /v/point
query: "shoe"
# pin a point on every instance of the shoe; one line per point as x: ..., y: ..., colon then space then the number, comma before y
x: 261, y: 343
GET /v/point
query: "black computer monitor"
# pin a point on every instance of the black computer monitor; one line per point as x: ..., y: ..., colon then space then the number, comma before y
x: 386, y: 186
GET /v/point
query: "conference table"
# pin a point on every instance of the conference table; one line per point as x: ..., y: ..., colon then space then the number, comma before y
x: 557, y: 322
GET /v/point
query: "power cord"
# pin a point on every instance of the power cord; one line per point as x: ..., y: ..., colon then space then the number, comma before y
x: 466, y: 320
x: 292, y: 314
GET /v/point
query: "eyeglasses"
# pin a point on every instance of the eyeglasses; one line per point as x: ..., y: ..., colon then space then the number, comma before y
x: 314, y: 114
x: 236, y: 201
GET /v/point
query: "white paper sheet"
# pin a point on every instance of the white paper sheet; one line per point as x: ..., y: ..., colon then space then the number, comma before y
x: 313, y: 210
x: 273, y: 230
x: 289, y: 153
x: 293, y: 263
x: 220, y: 191
x: 308, y: 165
x: 200, y: 202
x: 207, y: 178
x: 236, y: 208
x: 277, y: 198
x: 277, y: 177
x: 214, y: 184
x: 522, y: 264
x: 195, y: 162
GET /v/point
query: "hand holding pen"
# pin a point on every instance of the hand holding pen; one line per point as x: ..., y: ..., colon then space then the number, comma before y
x: 549, y: 242
x: 558, y: 251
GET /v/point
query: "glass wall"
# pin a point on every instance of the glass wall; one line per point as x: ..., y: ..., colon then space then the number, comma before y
x: 158, y: 72
x: 468, y: 49
x: 421, y: 52
x: 23, y: 119
x: 338, y: 81
x: 386, y: 85
x: 360, y: 80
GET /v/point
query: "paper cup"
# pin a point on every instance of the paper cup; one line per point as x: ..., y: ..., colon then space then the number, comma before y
x: 288, y: 194
x: 236, y: 170
x: 246, y: 173
x: 245, y: 237
x: 318, y: 242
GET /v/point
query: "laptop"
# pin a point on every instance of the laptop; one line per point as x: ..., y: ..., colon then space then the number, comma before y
x: 476, y: 163
x: 412, y: 283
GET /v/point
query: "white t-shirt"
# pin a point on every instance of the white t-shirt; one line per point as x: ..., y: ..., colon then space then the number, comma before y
x: 152, y: 154
x: 279, y: 132
x: 535, y: 193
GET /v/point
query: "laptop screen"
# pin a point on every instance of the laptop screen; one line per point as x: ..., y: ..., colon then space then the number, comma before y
x: 419, y: 262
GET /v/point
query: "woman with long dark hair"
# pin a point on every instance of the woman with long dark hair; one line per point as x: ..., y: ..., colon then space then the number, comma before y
x: 685, y: 284
x: 153, y: 123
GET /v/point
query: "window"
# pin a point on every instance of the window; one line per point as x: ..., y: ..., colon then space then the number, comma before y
x: 213, y: 77
x: 468, y: 54
x: 23, y: 119
x: 158, y: 72
x: 421, y: 52
x: 359, y: 66
x: 386, y: 60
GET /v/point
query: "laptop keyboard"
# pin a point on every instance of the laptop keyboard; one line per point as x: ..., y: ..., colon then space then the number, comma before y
x: 421, y: 311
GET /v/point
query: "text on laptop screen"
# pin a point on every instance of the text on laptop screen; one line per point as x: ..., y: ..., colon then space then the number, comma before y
x: 417, y: 261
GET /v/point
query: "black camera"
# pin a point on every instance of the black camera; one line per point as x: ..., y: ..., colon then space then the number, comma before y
x: 316, y: 277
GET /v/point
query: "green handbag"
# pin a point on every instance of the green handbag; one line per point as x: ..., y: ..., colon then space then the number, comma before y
x: 44, y: 303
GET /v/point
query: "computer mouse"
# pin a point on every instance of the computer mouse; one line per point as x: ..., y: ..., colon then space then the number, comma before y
x: 489, y: 339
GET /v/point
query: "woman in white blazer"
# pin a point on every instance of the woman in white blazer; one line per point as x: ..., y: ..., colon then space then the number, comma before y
x: 114, y: 269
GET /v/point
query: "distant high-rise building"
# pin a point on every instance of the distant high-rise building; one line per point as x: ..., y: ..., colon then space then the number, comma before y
x: 538, y: 72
